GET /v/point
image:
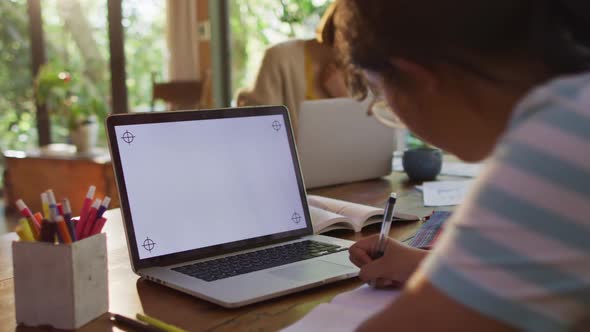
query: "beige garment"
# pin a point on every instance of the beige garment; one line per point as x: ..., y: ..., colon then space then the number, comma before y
x: 183, y: 40
x: 280, y: 80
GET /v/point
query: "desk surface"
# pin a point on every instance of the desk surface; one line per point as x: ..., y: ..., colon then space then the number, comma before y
x: 129, y: 295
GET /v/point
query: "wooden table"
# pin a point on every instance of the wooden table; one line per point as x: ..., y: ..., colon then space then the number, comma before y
x: 129, y: 295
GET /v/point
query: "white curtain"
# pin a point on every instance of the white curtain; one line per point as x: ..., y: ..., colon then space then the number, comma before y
x: 183, y: 40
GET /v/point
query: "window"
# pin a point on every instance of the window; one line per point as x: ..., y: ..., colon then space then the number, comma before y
x: 77, y: 42
x: 144, y: 22
x: 17, y: 112
x: 257, y: 24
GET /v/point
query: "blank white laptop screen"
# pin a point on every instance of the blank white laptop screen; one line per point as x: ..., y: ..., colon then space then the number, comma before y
x: 195, y: 184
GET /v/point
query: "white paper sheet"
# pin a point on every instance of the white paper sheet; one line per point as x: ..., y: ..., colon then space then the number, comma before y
x: 461, y: 169
x: 367, y: 298
x: 346, y: 311
x: 445, y: 193
x: 397, y: 164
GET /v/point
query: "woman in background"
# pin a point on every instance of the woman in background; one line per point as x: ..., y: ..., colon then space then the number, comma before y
x: 508, y: 80
x: 299, y: 70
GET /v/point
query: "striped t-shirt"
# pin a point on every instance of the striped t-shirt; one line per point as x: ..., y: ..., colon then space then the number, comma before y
x: 518, y: 249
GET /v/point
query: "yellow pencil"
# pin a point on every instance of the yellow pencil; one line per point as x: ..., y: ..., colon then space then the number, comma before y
x: 24, y: 231
x: 158, y: 323
x: 21, y: 234
x: 45, y: 205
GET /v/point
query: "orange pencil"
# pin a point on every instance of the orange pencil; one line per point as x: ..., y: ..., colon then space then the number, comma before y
x: 39, y: 218
x: 62, y: 228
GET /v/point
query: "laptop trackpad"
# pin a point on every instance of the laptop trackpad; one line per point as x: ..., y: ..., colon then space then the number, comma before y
x: 314, y: 270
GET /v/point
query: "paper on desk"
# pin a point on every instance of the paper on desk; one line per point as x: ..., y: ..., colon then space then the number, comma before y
x: 461, y: 169
x: 397, y: 164
x: 445, y: 193
x: 346, y: 311
x: 367, y: 298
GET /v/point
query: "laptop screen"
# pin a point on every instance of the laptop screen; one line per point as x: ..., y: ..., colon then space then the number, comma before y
x: 201, y: 183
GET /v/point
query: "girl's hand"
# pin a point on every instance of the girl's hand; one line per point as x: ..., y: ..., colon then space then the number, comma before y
x: 395, y: 267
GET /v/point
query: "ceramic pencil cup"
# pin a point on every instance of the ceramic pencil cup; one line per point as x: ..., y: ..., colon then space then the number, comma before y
x: 63, y: 286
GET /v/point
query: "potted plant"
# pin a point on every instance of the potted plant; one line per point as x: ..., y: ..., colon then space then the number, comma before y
x: 422, y: 162
x: 75, y: 103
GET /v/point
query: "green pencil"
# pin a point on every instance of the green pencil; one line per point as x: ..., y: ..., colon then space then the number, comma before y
x: 159, y: 324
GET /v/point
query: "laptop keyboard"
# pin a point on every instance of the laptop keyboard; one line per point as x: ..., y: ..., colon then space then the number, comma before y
x: 258, y: 260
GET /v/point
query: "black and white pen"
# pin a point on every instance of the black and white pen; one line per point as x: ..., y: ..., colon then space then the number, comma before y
x: 385, y: 227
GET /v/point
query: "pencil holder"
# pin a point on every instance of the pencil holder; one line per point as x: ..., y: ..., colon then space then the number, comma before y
x: 63, y: 286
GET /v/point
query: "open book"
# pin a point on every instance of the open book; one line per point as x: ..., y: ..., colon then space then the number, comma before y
x: 346, y: 311
x: 328, y: 214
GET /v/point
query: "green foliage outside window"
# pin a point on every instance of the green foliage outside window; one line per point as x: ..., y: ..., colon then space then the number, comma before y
x: 83, y: 52
x: 258, y: 24
x: 17, y: 117
x: 76, y: 41
x: 70, y: 100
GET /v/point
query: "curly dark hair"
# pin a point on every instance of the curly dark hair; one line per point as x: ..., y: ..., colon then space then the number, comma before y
x: 372, y: 32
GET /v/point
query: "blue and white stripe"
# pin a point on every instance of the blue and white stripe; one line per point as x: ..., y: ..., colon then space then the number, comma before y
x: 518, y: 250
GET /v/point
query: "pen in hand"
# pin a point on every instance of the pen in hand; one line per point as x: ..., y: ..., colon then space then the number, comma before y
x: 379, y: 249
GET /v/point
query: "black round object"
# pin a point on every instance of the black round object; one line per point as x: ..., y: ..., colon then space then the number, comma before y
x: 422, y: 164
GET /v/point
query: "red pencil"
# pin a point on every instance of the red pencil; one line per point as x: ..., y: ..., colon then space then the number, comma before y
x: 26, y: 212
x: 90, y: 218
x: 88, y: 200
x: 84, y: 212
x: 98, y: 225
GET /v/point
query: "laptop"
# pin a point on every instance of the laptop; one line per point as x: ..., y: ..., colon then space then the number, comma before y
x: 339, y: 143
x: 214, y: 205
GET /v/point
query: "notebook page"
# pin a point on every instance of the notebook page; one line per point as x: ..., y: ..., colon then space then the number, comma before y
x: 346, y: 311
x: 330, y: 317
x: 366, y: 298
x: 445, y: 193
